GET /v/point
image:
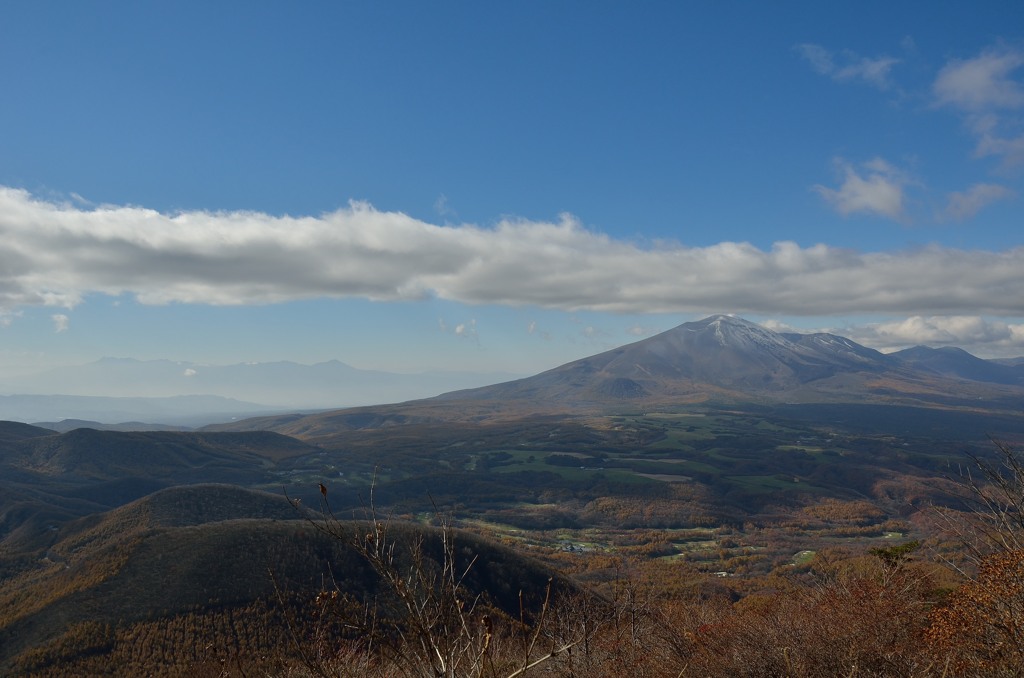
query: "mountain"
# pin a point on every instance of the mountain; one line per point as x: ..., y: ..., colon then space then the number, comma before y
x: 720, y: 360
x: 65, y: 425
x: 955, y: 362
x: 282, y: 385
x: 47, y: 478
x: 724, y: 358
x: 169, y: 412
x: 12, y: 431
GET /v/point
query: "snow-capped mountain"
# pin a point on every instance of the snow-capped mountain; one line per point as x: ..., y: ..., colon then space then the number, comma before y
x: 724, y: 357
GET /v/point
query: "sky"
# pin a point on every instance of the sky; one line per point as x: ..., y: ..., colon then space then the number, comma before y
x: 414, y: 186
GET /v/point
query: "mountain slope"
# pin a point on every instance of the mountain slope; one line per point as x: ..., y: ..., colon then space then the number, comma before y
x: 88, y: 454
x: 723, y: 358
x: 950, y: 361
x: 12, y: 431
x: 222, y: 567
x: 48, y: 478
x: 720, y: 360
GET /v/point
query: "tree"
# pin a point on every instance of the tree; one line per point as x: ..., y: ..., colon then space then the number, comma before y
x: 428, y: 623
x: 980, y: 630
x: 992, y: 500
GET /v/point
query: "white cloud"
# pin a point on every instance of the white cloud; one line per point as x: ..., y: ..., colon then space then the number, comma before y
x: 55, y: 255
x: 871, y: 71
x: 189, y: 372
x: 983, y: 83
x: 467, y: 330
x: 973, y: 333
x: 964, y: 205
x: 60, y: 322
x: 818, y: 57
x: 640, y: 331
x: 846, y: 65
x: 442, y: 208
x: 532, y: 330
x: 978, y: 335
x: 877, y: 189
x: 991, y: 133
x: 779, y: 326
x: 1011, y: 150
x: 984, y: 89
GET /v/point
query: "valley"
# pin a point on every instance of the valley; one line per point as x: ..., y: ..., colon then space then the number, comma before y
x: 643, y: 468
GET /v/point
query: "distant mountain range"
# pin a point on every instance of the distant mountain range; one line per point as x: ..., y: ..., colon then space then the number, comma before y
x: 118, y: 390
x: 719, y: 360
x: 63, y: 412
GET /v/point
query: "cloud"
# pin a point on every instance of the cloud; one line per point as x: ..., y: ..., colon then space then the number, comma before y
x: 846, y: 65
x: 877, y: 189
x: 7, y: 317
x: 532, y: 330
x: 60, y: 322
x: 984, y: 89
x: 442, y: 208
x: 189, y: 372
x: 54, y: 255
x: 82, y: 201
x: 976, y: 334
x: 983, y: 83
x: 467, y: 331
x: 639, y: 331
x: 818, y: 57
x: 993, y: 140
x: 964, y: 205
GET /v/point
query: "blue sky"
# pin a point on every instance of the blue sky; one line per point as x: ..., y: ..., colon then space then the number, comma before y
x: 503, y: 186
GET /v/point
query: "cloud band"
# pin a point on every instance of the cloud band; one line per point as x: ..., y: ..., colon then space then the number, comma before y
x: 55, y: 254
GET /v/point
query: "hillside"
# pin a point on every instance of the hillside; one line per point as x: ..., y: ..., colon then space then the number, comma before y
x: 203, y: 556
x: 48, y: 478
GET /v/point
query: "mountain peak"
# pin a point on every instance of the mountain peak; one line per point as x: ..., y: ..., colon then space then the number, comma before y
x: 728, y: 318
x: 729, y: 331
x: 724, y: 320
